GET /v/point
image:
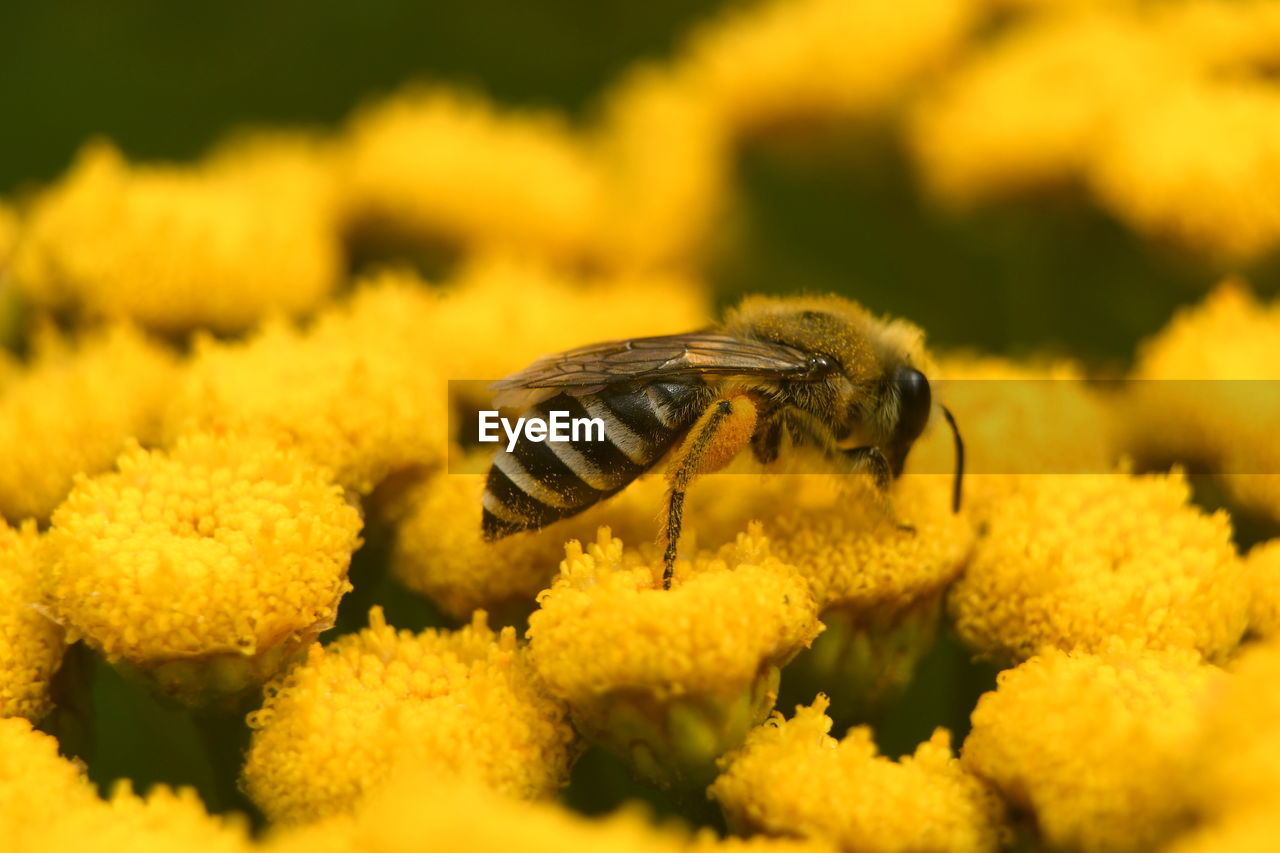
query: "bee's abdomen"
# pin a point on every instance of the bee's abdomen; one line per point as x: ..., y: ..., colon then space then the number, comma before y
x: 543, y: 481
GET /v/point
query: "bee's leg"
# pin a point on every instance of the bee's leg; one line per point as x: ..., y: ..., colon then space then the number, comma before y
x: 872, y: 459
x: 719, y: 434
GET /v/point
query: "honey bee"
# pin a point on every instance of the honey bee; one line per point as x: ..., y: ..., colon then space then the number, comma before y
x: 816, y: 372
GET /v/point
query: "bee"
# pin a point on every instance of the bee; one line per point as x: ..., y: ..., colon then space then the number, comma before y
x: 777, y: 373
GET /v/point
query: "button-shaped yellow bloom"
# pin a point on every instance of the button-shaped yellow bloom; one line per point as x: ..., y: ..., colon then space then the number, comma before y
x: 498, y: 313
x: 1096, y: 747
x: 878, y: 587
x: 434, y: 164
x: 1263, y: 570
x: 1196, y: 164
x: 1238, y: 768
x: 217, y: 245
x: 70, y: 411
x: 670, y: 679
x: 466, y: 703
x: 792, y: 778
x: 47, y: 804
x: 1074, y: 560
x: 163, y: 820
x: 440, y: 553
x: 416, y: 803
x: 988, y: 131
x: 38, y: 787
x: 207, y: 566
x: 353, y: 393
x: 1207, y: 390
x: 1016, y: 418
x: 776, y: 63
x: 31, y: 645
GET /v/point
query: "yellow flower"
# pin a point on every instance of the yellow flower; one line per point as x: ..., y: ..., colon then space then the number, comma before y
x: 1238, y: 766
x: 878, y: 588
x: 1096, y: 747
x: 216, y: 245
x: 465, y: 704
x: 208, y: 566
x: 670, y: 679
x: 70, y: 411
x: 776, y: 63
x: 47, y: 804
x: 417, y: 804
x: 440, y: 553
x: 498, y: 313
x: 38, y: 787
x: 164, y: 820
x: 990, y: 131
x: 1074, y: 560
x: 1247, y: 832
x: 352, y: 392
x: 1206, y: 389
x: 792, y: 778
x: 662, y: 201
x: 432, y: 164
x: 1198, y: 164
x: 31, y: 646
x: 1034, y: 418
x: 1263, y: 570
x: 1160, y: 108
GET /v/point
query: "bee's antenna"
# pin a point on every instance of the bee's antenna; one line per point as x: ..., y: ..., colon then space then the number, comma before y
x: 959, y: 476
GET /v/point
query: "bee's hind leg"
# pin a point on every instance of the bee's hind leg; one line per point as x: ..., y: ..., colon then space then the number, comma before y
x: 721, y: 432
x: 872, y: 460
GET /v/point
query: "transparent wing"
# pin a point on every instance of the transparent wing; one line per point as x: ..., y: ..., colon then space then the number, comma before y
x: 589, y: 368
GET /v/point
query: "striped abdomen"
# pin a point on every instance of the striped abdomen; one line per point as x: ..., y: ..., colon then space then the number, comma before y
x: 543, y: 481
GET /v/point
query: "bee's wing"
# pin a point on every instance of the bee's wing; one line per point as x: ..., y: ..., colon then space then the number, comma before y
x: 587, y: 369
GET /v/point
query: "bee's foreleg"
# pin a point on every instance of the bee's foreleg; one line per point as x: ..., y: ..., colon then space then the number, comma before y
x: 721, y: 432
x: 872, y: 460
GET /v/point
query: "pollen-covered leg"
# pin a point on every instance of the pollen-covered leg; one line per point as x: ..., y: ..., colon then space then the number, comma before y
x: 722, y: 432
x: 871, y: 460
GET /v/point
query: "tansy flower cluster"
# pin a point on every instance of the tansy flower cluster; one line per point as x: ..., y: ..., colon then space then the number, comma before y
x: 785, y: 778
x: 466, y: 703
x: 235, y: 469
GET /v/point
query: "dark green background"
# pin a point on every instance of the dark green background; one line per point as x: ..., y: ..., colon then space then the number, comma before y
x: 166, y: 79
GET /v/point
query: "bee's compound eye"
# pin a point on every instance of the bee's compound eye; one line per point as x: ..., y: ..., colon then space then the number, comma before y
x: 819, y: 364
x: 914, y: 400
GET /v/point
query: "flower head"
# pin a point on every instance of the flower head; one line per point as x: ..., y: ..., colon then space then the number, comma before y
x: 208, y: 565
x: 1017, y: 419
x: 1237, y: 768
x: 1074, y: 560
x: 878, y: 587
x: 71, y: 410
x: 1097, y: 747
x: 351, y: 392
x: 432, y: 164
x: 1262, y: 568
x: 38, y: 787
x: 988, y: 131
x: 785, y: 779
x: 777, y: 63
x: 217, y: 245
x: 1207, y: 389
x: 31, y: 646
x: 466, y: 703
x: 670, y: 679
x: 1157, y: 173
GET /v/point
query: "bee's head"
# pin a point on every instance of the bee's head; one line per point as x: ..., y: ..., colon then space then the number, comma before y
x: 914, y: 402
